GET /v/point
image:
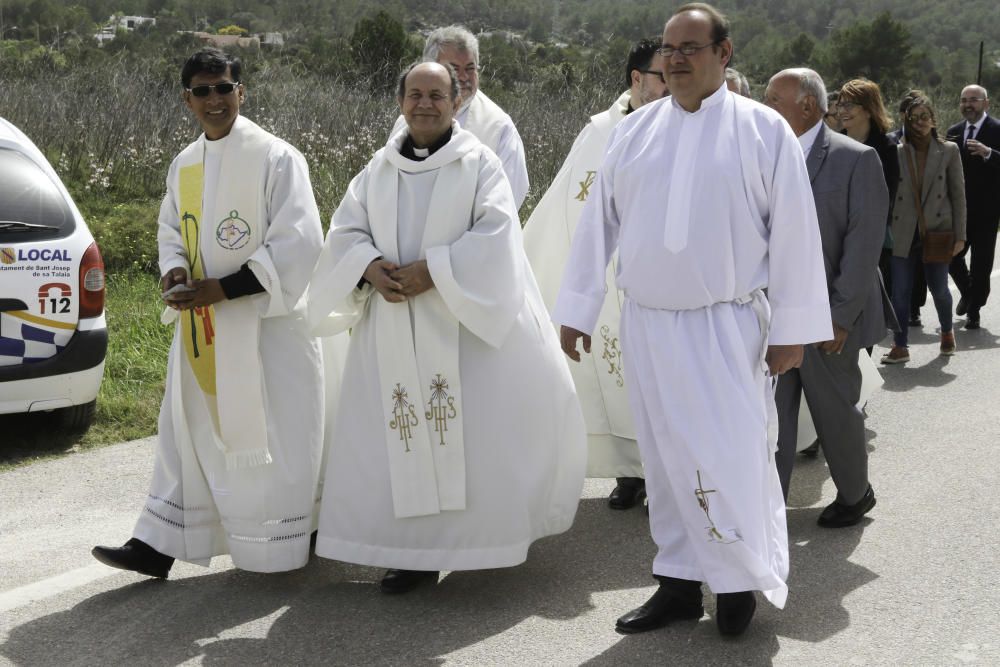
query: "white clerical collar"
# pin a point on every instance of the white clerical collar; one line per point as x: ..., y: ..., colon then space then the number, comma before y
x: 718, y: 97
x: 809, y: 137
x: 421, y: 152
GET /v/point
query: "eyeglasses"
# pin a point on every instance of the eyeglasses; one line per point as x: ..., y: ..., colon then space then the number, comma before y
x: 919, y: 118
x: 655, y: 72
x: 846, y: 106
x: 971, y: 100
x: 221, y: 88
x: 667, y: 51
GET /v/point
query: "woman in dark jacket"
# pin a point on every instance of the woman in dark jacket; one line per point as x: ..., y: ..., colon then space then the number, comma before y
x: 864, y: 118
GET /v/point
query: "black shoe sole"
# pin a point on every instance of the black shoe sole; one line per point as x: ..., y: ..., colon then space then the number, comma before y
x: 625, y: 630
x: 97, y: 553
x: 412, y: 584
x: 851, y: 522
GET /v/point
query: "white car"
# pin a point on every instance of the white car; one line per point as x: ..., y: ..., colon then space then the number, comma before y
x: 53, y: 335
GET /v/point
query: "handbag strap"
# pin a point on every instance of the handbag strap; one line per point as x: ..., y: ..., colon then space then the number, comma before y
x: 922, y: 222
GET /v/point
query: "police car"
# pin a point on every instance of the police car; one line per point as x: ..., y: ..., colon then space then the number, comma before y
x: 53, y: 335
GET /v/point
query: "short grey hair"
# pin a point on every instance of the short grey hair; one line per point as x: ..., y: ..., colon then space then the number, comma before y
x: 742, y: 85
x: 454, y: 36
x: 810, y: 83
x: 401, y: 82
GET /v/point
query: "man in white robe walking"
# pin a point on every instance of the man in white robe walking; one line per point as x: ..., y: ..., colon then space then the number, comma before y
x: 705, y: 196
x: 612, y: 450
x: 454, y: 45
x: 241, y: 424
x: 465, y: 441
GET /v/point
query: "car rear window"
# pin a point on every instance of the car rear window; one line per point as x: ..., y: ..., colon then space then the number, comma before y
x: 28, y: 195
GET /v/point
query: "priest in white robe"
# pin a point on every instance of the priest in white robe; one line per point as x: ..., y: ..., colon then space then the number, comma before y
x: 706, y: 197
x: 456, y: 46
x: 600, y: 381
x: 241, y: 424
x: 465, y: 441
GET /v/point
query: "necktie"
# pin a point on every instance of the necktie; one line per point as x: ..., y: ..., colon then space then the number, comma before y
x: 972, y: 130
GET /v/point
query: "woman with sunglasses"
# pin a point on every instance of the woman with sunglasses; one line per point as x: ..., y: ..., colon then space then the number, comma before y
x: 930, y: 200
x: 863, y: 117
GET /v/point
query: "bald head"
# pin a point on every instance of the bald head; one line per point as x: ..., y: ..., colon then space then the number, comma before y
x: 974, y: 103
x: 428, y: 98
x: 799, y: 96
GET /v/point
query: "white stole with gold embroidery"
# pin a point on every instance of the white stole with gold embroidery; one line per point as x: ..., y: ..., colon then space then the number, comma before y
x: 418, y: 358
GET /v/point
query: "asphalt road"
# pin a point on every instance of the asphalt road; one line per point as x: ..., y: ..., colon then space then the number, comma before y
x: 914, y: 584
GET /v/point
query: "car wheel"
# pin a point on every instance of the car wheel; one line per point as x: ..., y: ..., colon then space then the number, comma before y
x: 78, y: 418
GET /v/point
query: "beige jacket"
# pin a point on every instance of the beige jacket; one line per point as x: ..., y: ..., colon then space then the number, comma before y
x: 942, y: 196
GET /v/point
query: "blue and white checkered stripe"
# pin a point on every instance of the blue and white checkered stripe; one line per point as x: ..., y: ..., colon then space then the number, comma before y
x: 24, y: 343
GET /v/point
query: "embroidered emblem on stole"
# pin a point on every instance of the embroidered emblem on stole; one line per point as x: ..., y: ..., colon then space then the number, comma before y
x: 233, y: 232
x: 404, y: 416
x: 442, y: 407
x: 612, y: 355
x: 197, y: 324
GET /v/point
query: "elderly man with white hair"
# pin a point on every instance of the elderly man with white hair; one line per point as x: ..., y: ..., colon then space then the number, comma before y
x: 737, y: 83
x: 454, y: 45
x: 852, y: 202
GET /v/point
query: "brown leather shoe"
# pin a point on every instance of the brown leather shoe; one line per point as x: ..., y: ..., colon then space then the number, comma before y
x: 897, y: 355
x: 948, y: 344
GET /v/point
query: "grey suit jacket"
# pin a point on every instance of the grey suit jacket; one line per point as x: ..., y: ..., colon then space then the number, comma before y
x: 942, y: 196
x: 852, y: 203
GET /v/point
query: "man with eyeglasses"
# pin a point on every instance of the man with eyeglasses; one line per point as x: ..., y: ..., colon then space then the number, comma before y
x: 978, y: 137
x: 547, y: 234
x: 706, y: 198
x: 454, y: 45
x: 241, y: 424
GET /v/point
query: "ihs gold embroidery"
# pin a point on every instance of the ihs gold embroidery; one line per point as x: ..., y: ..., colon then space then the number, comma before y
x: 612, y: 355
x: 404, y: 416
x: 442, y: 407
x: 585, y: 186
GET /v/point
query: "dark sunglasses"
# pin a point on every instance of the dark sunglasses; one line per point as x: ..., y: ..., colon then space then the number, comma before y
x: 220, y: 88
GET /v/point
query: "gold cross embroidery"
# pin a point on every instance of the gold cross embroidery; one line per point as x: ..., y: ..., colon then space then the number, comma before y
x: 585, y: 186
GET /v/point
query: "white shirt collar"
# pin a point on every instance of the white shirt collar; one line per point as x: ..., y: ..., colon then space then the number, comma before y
x: 978, y: 124
x: 809, y: 138
x: 715, y: 98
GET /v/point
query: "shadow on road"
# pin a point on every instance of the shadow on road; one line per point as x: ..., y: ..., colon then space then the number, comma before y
x: 331, y: 612
x: 30, y: 435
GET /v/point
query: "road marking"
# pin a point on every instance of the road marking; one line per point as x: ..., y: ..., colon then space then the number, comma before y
x: 47, y: 588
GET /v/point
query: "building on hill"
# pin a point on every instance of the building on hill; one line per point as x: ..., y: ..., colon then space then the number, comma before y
x: 120, y: 22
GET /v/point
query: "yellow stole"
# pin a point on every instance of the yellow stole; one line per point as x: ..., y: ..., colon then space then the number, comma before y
x: 197, y: 324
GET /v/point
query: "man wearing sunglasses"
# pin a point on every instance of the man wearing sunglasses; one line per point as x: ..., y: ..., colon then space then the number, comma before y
x: 706, y: 198
x: 601, y: 384
x: 241, y: 424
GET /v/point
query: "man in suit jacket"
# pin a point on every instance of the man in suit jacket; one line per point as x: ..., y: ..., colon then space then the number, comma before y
x: 978, y: 137
x: 852, y: 203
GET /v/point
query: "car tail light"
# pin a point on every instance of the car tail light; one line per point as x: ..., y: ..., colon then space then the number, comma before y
x: 91, y: 283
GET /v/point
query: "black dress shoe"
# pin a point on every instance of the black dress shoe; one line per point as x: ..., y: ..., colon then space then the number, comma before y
x: 137, y: 556
x: 972, y: 321
x: 629, y: 492
x: 812, y: 451
x: 963, y: 307
x: 733, y: 611
x: 915, y: 321
x: 403, y: 581
x: 674, y: 600
x: 838, y: 515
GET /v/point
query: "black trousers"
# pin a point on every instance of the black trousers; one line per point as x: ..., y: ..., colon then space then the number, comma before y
x: 973, y: 281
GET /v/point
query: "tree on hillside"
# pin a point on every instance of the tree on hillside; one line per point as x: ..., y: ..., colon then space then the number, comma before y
x: 880, y: 50
x: 378, y: 46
